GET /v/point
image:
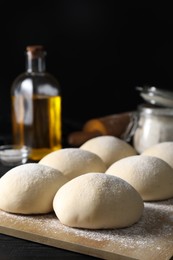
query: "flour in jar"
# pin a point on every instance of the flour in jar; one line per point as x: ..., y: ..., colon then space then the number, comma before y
x: 155, y: 125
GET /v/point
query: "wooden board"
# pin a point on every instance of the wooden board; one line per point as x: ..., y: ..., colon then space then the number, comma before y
x: 150, y: 238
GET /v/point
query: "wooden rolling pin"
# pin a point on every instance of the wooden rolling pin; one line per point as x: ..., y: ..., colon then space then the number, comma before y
x: 115, y: 125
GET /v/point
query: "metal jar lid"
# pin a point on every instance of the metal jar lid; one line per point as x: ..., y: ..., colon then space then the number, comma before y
x: 148, y: 109
x: 156, y: 96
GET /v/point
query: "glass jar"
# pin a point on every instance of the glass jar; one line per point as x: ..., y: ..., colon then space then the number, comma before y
x: 36, y: 106
x: 154, y: 125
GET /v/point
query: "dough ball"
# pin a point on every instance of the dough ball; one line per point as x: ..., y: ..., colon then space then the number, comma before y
x: 162, y: 150
x: 97, y: 201
x: 109, y: 148
x: 30, y: 188
x: 73, y: 162
x: 150, y: 176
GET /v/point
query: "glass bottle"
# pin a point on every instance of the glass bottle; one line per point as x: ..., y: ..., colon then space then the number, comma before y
x: 36, y: 106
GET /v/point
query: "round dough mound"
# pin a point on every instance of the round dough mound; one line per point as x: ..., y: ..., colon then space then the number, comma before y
x: 109, y: 148
x: 150, y: 176
x: 73, y: 162
x: 162, y: 150
x: 97, y: 201
x: 30, y: 189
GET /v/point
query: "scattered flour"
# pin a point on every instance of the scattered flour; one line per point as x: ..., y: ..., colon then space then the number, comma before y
x: 153, y: 230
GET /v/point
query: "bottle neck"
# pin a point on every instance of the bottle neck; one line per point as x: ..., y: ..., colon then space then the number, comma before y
x: 35, y: 61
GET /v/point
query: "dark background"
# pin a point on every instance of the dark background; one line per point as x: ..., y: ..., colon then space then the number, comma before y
x: 98, y: 50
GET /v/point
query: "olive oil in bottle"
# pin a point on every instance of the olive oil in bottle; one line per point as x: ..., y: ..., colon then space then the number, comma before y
x: 36, y: 106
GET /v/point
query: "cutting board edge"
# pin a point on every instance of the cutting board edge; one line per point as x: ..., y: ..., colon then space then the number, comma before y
x: 65, y: 245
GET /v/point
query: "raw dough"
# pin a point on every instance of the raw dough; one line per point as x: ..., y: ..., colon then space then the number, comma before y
x: 109, y: 148
x: 162, y: 150
x: 150, y: 176
x: 73, y: 162
x: 30, y: 188
x: 97, y: 201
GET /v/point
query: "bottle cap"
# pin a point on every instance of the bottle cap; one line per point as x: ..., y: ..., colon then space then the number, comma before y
x: 35, y: 50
